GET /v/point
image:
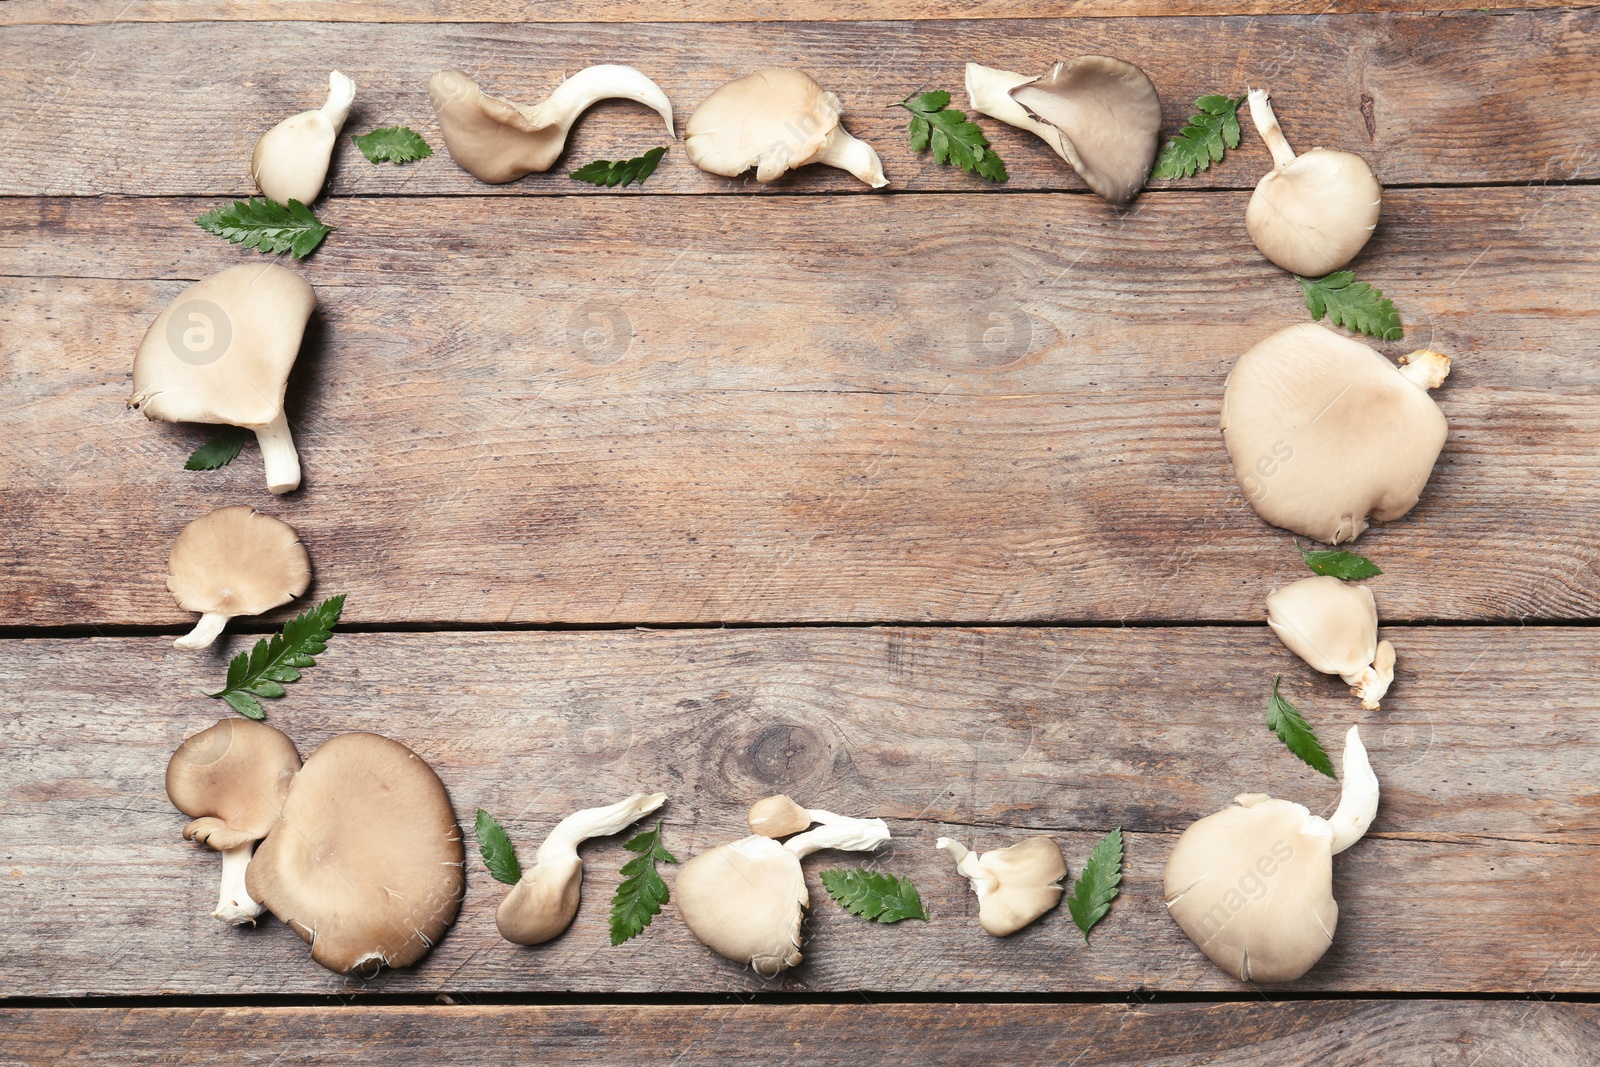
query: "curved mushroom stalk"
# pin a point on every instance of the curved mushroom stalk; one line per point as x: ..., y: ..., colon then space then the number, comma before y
x: 1333, y: 626
x: 1252, y: 885
x: 497, y: 141
x: 1312, y: 212
x: 545, y: 900
x: 291, y: 159
x: 234, y: 561
x: 205, y: 632
x: 1015, y: 885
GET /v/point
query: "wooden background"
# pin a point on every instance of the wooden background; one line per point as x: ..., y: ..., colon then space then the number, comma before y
x: 910, y: 503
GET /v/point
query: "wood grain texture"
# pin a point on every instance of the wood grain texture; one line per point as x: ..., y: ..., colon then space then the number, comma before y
x: 1426, y: 98
x: 1477, y: 875
x: 1285, y: 1034
x: 909, y: 408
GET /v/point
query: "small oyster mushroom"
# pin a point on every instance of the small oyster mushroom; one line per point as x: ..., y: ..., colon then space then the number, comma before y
x: 544, y: 901
x: 1325, y: 434
x: 1313, y: 212
x: 1252, y: 885
x: 291, y: 159
x: 232, y: 779
x: 745, y: 900
x: 1099, y: 113
x: 780, y: 816
x: 221, y: 352
x: 1015, y: 885
x: 1334, y: 627
x: 234, y: 561
x: 366, y: 861
x: 775, y: 120
x: 497, y: 141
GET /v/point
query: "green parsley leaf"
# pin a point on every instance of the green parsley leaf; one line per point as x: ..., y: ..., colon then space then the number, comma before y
x: 642, y: 892
x: 953, y: 138
x: 267, y: 226
x: 495, y: 848
x: 1354, y: 305
x: 393, y: 144
x: 1339, y: 563
x: 1285, y: 720
x: 1096, y: 887
x: 220, y: 451
x: 874, y: 895
x: 623, y: 172
x: 275, y: 660
x: 1210, y: 133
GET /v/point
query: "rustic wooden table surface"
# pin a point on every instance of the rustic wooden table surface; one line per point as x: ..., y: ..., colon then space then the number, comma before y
x: 908, y: 503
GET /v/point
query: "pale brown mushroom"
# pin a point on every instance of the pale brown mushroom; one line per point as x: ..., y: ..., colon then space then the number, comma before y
x: 232, y: 779
x: 291, y: 159
x: 1015, y: 885
x: 366, y: 862
x: 1333, y: 626
x: 221, y: 352
x: 234, y: 561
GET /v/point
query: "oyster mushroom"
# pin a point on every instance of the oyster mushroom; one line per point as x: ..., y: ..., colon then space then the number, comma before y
x: 1326, y: 435
x: 775, y: 120
x: 1015, y: 885
x: 745, y: 900
x: 232, y: 779
x: 497, y: 141
x: 291, y: 159
x: 544, y: 901
x: 234, y: 561
x: 221, y: 352
x: 366, y: 861
x: 1252, y: 885
x: 1333, y: 626
x: 1100, y: 114
x: 1313, y: 212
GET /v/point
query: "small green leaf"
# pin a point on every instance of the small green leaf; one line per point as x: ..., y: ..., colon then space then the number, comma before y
x: 1210, y: 132
x: 1096, y: 887
x: 393, y: 144
x: 874, y: 895
x: 623, y: 172
x: 1285, y: 720
x: 274, y: 660
x: 641, y: 893
x: 267, y: 226
x: 245, y: 705
x: 1339, y: 563
x: 953, y: 138
x: 220, y: 451
x: 1356, y: 306
x: 495, y: 848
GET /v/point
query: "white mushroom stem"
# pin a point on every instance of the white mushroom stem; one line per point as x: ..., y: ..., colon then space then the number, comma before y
x: 575, y: 829
x: 1358, y: 804
x: 1425, y: 368
x: 989, y: 93
x: 849, y: 153
x: 851, y: 835
x: 607, y: 81
x: 341, y: 94
x: 205, y: 631
x: 1267, y: 125
x: 1374, y: 681
x: 966, y: 859
x: 281, y: 461
x: 234, y: 905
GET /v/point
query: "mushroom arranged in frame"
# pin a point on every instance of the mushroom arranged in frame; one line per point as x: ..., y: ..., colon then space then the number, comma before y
x: 1252, y: 885
x: 1100, y: 114
x: 234, y: 561
x: 544, y: 901
x: 1015, y: 885
x: 745, y: 900
x: 221, y: 352
x: 366, y: 861
x: 291, y: 159
x: 1313, y: 212
x: 1333, y: 626
x: 232, y: 779
x: 775, y: 120
x: 1326, y: 435
x: 497, y: 141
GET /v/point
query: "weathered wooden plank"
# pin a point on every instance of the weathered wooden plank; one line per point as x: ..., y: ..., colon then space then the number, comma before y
x: 1283, y: 1033
x: 1477, y: 875
x: 1426, y: 98
x: 913, y: 408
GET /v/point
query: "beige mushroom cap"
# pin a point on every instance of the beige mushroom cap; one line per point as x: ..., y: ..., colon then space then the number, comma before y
x: 234, y: 561
x: 1333, y: 626
x: 1252, y: 886
x: 745, y: 901
x: 366, y: 863
x: 232, y: 779
x: 291, y: 159
x: 778, y: 816
x: 1325, y: 433
x: 1107, y: 117
x: 775, y: 120
x: 1015, y: 885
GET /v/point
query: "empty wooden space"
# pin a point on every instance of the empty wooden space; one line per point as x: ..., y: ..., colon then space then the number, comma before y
x: 909, y: 503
